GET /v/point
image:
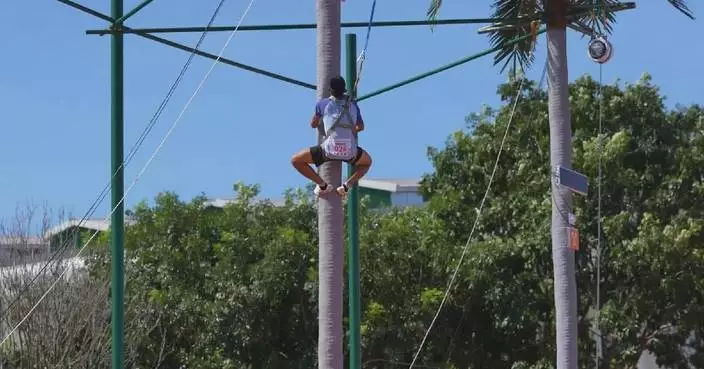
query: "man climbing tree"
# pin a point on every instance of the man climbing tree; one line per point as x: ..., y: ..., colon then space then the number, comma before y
x: 342, y: 121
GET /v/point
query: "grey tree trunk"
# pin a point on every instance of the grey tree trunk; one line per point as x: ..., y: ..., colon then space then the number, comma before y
x: 561, y: 154
x: 330, y: 212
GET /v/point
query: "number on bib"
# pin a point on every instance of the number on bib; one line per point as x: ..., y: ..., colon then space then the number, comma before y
x: 341, y: 148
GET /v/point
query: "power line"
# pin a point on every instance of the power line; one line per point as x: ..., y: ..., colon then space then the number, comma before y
x: 156, y: 151
x: 474, y: 226
x: 104, y: 192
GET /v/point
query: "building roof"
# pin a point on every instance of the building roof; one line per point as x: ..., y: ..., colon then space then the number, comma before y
x: 384, y: 184
x: 221, y: 203
x: 391, y: 184
x: 218, y: 203
x: 92, y: 224
x: 21, y: 240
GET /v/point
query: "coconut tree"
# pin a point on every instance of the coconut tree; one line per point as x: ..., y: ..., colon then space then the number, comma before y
x: 330, y: 212
x: 558, y: 16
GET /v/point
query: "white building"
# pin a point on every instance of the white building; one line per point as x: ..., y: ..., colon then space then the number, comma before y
x: 381, y: 193
x: 391, y: 192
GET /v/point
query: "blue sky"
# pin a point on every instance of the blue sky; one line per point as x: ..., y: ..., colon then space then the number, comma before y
x: 54, y: 93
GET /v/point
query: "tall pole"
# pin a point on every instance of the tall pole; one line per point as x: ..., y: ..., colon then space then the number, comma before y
x: 117, y: 218
x: 565, y: 291
x: 331, y: 215
x: 353, y: 222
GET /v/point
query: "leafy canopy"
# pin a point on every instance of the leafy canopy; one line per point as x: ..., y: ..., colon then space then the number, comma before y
x: 237, y: 287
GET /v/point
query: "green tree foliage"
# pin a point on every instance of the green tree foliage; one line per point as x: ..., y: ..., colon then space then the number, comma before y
x: 237, y: 287
x: 652, y: 242
x: 223, y: 288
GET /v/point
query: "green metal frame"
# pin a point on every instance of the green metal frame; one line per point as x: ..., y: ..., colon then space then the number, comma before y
x: 117, y: 31
x: 117, y: 241
x: 300, y: 26
x: 353, y: 264
x: 132, y: 12
x: 442, y: 68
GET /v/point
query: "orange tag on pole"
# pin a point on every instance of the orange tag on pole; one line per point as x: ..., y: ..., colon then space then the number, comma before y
x: 573, y: 235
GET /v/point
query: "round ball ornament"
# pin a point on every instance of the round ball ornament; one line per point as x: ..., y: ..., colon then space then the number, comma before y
x: 600, y: 50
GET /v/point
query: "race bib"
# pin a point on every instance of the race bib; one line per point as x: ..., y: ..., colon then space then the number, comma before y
x: 341, y: 147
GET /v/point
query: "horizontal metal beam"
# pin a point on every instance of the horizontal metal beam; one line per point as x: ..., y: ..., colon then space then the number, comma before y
x: 86, y: 10
x: 614, y: 7
x: 281, y: 27
x: 195, y: 51
x: 144, y: 32
x: 445, y: 67
x: 228, y: 61
x: 574, y: 13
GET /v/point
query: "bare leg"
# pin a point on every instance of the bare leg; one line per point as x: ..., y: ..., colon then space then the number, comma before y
x: 301, y: 161
x: 360, y: 169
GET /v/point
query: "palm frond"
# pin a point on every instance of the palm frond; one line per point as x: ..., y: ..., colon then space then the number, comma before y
x: 434, y: 9
x: 681, y: 5
x: 520, y: 53
x: 582, y: 28
x: 600, y: 20
x: 433, y: 12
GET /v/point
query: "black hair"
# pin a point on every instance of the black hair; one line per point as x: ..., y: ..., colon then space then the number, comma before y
x: 338, y: 86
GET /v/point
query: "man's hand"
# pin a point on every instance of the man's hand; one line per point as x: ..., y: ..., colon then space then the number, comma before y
x: 359, y: 128
x: 315, y: 122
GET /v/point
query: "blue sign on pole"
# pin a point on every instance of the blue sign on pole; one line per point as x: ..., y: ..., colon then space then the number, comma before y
x: 574, y: 181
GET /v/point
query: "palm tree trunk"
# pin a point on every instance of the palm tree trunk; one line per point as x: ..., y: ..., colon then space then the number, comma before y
x: 330, y: 214
x: 561, y: 155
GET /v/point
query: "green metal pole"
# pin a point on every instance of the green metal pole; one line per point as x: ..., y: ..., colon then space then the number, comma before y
x: 444, y: 67
x: 117, y: 156
x: 353, y: 225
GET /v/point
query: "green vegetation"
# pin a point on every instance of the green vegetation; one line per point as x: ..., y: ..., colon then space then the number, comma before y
x: 237, y: 288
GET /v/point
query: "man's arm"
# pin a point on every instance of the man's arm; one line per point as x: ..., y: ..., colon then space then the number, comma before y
x: 315, y: 121
x: 359, y: 126
x: 317, y: 115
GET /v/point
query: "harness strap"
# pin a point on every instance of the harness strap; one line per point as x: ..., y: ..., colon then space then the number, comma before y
x: 337, y: 124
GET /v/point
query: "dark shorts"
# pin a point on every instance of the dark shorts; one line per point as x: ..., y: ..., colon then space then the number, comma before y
x: 319, y: 156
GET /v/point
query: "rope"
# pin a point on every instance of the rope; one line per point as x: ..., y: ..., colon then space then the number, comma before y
x: 363, y: 54
x: 543, y: 75
x: 360, y: 61
x: 597, y: 308
x: 540, y: 86
x: 91, y: 210
x: 598, y: 222
x: 474, y: 226
x: 146, y: 165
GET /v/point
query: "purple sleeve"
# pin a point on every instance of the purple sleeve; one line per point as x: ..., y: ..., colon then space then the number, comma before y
x: 359, y: 113
x: 320, y: 107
